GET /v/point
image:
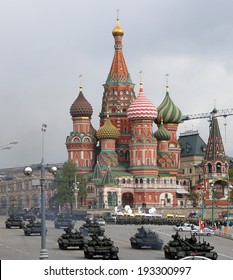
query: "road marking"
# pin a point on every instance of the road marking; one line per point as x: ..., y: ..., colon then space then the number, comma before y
x: 18, y: 250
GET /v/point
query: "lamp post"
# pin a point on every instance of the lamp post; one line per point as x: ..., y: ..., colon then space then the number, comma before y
x: 202, y: 202
x: 28, y: 171
x: 230, y: 187
x: 202, y: 191
x: 76, y: 190
x: 212, y: 197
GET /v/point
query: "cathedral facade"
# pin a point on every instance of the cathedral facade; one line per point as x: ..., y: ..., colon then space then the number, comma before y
x: 124, y: 161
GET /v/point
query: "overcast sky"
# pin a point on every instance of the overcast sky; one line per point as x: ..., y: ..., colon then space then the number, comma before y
x: 46, y: 44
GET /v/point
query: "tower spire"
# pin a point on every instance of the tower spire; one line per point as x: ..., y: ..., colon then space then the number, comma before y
x: 80, y: 82
x: 167, y: 83
x: 140, y: 79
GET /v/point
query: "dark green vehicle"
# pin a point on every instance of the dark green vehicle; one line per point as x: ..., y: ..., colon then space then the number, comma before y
x: 32, y: 228
x: 146, y: 238
x: 90, y: 228
x: 70, y: 239
x: 100, y: 246
x: 14, y: 221
x: 182, y: 247
x: 62, y: 222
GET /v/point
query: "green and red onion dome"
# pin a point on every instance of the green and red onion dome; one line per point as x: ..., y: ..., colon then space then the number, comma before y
x: 81, y: 107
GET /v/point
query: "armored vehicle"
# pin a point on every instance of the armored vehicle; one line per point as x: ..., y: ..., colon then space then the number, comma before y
x: 14, y: 221
x: 70, y: 239
x: 181, y: 247
x: 100, y: 246
x: 90, y: 228
x: 146, y: 238
x: 62, y: 222
x: 32, y: 228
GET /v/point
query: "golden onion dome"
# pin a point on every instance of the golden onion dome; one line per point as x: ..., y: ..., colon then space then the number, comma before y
x: 107, y: 131
x: 117, y: 31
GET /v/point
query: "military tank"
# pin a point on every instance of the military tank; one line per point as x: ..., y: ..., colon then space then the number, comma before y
x: 146, y: 238
x: 70, y: 239
x: 33, y: 227
x: 14, y: 221
x: 100, y: 246
x: 90, y: 228
x: 182, y: 247
x: 62, y: 222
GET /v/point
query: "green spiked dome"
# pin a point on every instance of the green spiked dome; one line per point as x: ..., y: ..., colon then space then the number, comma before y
x: 162, y: 134
x: 168, y: 111
x: 108, y: 131
x: 81, y: 107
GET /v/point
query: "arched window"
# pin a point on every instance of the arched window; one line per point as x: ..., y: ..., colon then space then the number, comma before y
x: 219, y: 167
x: 121, y: 154
x: 210, y: 169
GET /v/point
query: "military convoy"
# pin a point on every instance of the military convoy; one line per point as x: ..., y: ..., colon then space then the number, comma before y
x: 70, y: 239
x: 100, y: 246
x: 14, y: 221
x: 181, y: 247
x: 146, y: 238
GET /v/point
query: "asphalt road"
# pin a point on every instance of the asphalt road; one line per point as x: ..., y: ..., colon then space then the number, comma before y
x: 14, y: 245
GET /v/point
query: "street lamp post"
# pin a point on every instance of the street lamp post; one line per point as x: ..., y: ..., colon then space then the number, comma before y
x: 228, y: 202
x: 28, y: 171
x: 76, y: 189
x: 202, y: 191
x: 212, y: 197
x: 43, y: 251
x: 202, y: 202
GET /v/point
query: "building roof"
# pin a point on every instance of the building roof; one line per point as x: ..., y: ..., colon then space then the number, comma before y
x: 191, y: 144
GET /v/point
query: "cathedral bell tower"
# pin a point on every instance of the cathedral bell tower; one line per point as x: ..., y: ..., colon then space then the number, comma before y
x: 117, y: 97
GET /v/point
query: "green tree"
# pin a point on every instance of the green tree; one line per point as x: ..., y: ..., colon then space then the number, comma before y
x: 194, y: 197
x: 65, y: 178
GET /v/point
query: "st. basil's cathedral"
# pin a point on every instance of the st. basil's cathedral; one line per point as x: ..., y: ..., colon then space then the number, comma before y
x: 125, y: 162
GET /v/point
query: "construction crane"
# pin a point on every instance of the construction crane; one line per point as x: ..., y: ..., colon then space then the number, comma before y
x: 220, y: 113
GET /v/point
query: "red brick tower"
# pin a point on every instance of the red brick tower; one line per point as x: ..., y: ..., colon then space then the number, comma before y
x: 82, y: 140
x: 143, y: 144
x: 117, y: 97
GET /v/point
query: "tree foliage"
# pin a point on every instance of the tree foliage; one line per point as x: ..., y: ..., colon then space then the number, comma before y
x: 65, y: 183
x: 194, y: 196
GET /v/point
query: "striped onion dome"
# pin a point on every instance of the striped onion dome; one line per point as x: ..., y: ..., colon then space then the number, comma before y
x: 81, y: 107
x: 162, y: 134
x: 141, y: 107
x: 107, y: 131
x: 168, y: 111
